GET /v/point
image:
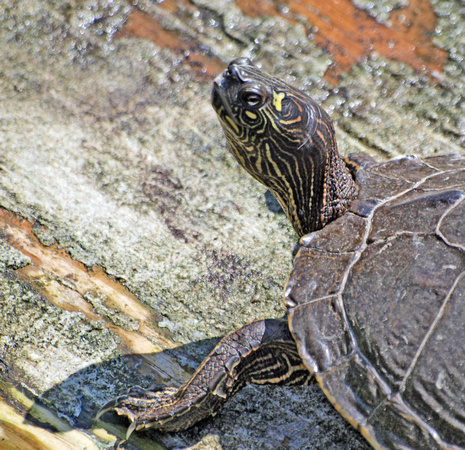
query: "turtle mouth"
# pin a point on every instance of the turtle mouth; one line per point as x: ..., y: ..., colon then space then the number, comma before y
x: 219, y: 98
x: 221, y: 104
x: 228, y: 83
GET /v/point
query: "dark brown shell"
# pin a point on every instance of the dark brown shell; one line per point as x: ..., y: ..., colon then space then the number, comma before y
x: 377, y: 304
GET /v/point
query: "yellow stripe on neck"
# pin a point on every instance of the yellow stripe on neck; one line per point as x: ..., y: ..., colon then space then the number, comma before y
x: 232, y: 124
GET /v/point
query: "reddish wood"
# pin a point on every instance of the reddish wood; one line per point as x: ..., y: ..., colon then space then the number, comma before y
x: 258, y: 8
x: 350, y: 34
x: 337, y: 26
x: 58, y: 264
x: 143, y: 25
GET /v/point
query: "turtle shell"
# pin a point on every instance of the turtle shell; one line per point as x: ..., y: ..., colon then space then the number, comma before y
x: 376, y: 304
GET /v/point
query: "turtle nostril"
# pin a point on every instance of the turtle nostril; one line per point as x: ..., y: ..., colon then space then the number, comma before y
x: 243, y: 61
x: 237, y: 71
x: 233, y: 72
x: 234, y: 67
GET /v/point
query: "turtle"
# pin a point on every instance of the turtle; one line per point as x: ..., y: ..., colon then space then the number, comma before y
x: 376, y: 296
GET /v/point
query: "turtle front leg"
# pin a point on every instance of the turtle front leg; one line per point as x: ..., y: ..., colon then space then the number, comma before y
x: 262, y: 352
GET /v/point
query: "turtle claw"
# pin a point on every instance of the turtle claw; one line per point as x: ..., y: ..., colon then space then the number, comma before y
x: 130, y: 430
x: 108, y: 406
x: 119, y: 405
x: 160, y: 407
x: 115, y: 404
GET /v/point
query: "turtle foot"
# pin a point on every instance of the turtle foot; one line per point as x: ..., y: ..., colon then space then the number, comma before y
x: 145, y: 408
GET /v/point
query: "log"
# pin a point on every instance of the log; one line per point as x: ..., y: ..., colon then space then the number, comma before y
x: 130, y: 238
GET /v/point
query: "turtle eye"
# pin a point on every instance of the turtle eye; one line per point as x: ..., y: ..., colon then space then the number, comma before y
x: 251, y: 99
x: 253, y: 96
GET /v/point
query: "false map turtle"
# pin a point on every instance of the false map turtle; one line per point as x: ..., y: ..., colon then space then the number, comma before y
x: 376, y: 296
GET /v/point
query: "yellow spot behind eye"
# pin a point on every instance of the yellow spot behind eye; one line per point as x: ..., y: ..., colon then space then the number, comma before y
x: 251, y: 114
x: 277, y: 99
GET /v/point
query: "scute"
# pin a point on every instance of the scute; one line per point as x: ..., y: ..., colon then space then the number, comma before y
x: 451, y: 178
x: 417, y: 211
x: 328, y: 250
x: 377, y: 304
x: 345, y: 235
x: 397, y: 426
x: 305, y: 285
x: 392, y: 296
x: 410, y: 168
x: 446, y: 162
x: 323, y: 333
x: 376, y: 187
x: 356, y: 386
x: 452, y: 226
x: 437, y: 384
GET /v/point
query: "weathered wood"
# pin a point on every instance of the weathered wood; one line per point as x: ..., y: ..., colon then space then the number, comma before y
x: 130, y: 237
x: 351, y: 34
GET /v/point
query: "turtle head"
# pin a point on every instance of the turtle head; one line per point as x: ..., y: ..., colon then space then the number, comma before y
x: 285, y: 140
x: 255, y: 107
